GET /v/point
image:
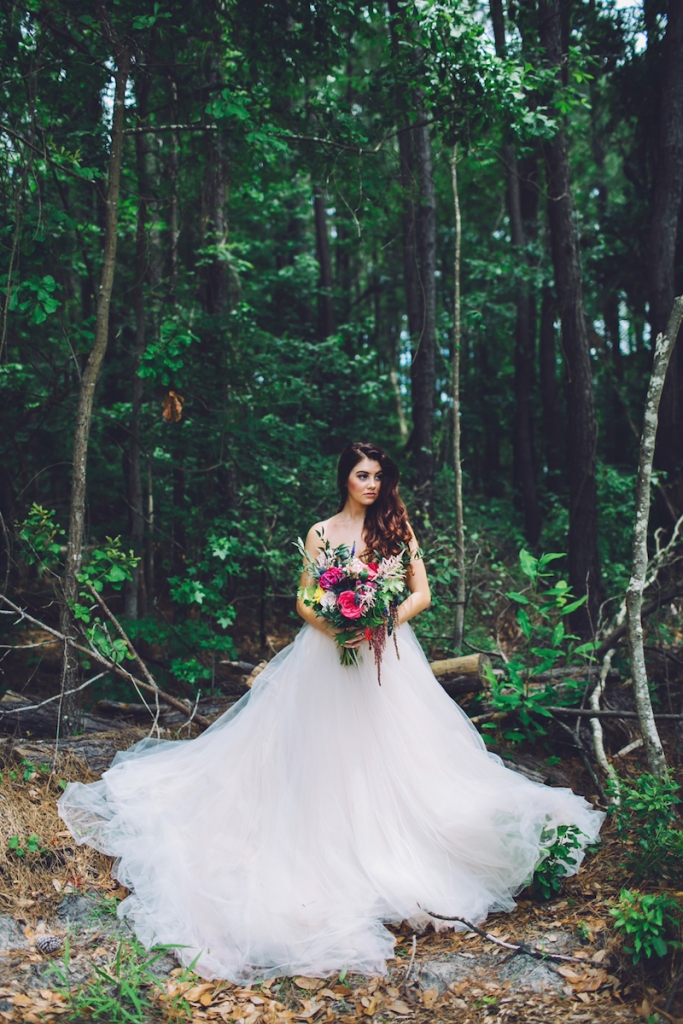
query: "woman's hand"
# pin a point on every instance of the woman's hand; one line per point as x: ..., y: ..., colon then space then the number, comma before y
x: 356, y: 640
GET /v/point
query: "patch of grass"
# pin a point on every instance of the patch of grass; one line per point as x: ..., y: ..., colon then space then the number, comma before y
x: 124, y: 992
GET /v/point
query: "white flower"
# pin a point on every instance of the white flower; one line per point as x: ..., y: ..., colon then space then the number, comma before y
x: 328, y: 600
x: 356, y: 566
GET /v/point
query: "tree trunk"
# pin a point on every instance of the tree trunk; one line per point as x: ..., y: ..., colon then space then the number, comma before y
x: 634, y: 595
x: 86, y: 394
x: 173, y: 228
x: 550, y: 395
x: 326, y: 318
x: 525, y: 462
x: 419, y: 264
x: 423, y: 370
x: 666, y: 205
x: 584, y: 567
x: 135, y: 589
x: 524, y: 458
x: 461, y: 585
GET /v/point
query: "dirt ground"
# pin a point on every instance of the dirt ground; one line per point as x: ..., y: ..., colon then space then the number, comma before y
x: 65, y: 891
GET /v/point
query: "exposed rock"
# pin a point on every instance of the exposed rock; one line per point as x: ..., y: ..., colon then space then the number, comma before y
x: 11, y: 934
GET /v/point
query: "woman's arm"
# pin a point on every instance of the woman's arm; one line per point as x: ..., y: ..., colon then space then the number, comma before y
x: 307, y: 614
x: 418, y: 584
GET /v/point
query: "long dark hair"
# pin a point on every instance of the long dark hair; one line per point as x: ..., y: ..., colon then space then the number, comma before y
x: 386, y: 528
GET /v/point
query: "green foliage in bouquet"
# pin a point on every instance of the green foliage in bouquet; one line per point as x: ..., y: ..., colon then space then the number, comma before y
x: 352, y: 595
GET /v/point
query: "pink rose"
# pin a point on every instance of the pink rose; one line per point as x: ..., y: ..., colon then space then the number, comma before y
x: 331, y: 577
x: 348, y: 606
x: 373, y: 569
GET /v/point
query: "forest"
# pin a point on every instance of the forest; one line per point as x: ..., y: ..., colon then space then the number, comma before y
x: 236, y: 236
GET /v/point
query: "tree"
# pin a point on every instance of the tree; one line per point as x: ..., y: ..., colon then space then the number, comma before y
x: 584, y: 566
x: 92, y: 369
x: 525, y: 460
x: 666, y: 205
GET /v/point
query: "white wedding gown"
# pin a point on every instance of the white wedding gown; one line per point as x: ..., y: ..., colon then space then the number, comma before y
x: 319, y: 807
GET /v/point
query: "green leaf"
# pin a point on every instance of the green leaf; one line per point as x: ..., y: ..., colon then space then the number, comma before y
x: 519, y: 598
x: 568, y: 609
x: 528, y: 563
x: 524, y: 623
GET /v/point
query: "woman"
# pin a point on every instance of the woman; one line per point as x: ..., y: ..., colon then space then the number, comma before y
x: 322, y: 806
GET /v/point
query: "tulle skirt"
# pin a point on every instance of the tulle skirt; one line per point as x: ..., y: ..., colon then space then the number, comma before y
x: 317, y: 809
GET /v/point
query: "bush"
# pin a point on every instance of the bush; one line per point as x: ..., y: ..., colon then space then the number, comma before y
x: 648, y: 921
x: 645, y: 817
x: 558, y: 861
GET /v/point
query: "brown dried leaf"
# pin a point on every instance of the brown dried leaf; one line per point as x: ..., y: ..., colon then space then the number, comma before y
x: 429, y: 997
x: 397, y: 1006
x: 173, y: 407
x: 311, y: 1007
x: 591, y: 980
x: 194, y: 995
x: 312, y: 984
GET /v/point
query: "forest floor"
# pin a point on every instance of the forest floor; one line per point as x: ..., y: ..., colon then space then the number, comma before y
x: 99, y: 972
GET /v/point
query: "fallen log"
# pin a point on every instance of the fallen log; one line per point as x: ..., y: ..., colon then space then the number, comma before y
x: 28, y: 716
x: 467, y: 665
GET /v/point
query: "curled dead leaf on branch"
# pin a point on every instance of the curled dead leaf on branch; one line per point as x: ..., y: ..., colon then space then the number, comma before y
x: 173, y: 407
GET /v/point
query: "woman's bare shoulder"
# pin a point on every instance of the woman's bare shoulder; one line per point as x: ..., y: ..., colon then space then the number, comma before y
x: 317, y: 534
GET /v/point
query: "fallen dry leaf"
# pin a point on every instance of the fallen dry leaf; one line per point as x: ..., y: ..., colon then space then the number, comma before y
x: 195, y: 994
x: 312, y: 984
x: 311, y: 1007
x: 397, y: 1006
x: 429, y: 997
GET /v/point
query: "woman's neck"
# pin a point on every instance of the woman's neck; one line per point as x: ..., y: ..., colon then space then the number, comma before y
x: 354, y: 512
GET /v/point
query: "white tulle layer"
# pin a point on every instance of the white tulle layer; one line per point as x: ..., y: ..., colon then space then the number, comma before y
x: 319, y: 807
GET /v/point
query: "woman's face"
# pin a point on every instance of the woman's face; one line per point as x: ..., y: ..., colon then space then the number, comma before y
x: 365, y: 480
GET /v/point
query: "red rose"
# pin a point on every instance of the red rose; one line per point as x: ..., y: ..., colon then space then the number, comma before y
x: 330, y: 578
x: 373, y: 569
x: 348, y: 606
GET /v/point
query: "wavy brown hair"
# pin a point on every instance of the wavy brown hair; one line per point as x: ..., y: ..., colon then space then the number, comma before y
x: 386, y: 528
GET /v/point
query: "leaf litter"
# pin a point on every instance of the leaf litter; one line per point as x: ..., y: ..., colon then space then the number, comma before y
x: 454, y: 976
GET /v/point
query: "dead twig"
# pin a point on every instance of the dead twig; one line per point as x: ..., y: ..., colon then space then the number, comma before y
x: 49, y: 700
x: 513, y: 947
x: 410, y: 965
x: 110, y: 665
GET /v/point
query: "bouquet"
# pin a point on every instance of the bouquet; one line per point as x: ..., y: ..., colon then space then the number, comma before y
x: 352, y: 594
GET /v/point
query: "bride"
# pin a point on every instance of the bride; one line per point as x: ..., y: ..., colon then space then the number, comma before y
x: 322, y: 806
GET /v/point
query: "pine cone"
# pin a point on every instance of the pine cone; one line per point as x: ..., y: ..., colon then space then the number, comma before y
x: 48, y: 944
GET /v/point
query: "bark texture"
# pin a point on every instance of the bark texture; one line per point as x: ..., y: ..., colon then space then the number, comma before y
x: 326, y: 317
x: 86, y: 394
x: 525, y: 461
x: 135, y: 591
x: 419, y: 259
x: 634, y: 595
x: 461, y: 583
x: 666, y: 205
x: 584, y: 568
x: 550, y: 393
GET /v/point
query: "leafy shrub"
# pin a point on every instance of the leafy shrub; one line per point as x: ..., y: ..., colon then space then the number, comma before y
x: 558, y: 861
x: 645, y: 818
x: 648, y: 921
x: 541, y: 617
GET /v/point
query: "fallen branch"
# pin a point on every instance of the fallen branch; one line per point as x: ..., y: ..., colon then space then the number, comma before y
x: 620, y: 631
x: 109, y: 664
x: 514, y: 947
x: 596, y: 728
x: 49, y: 700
